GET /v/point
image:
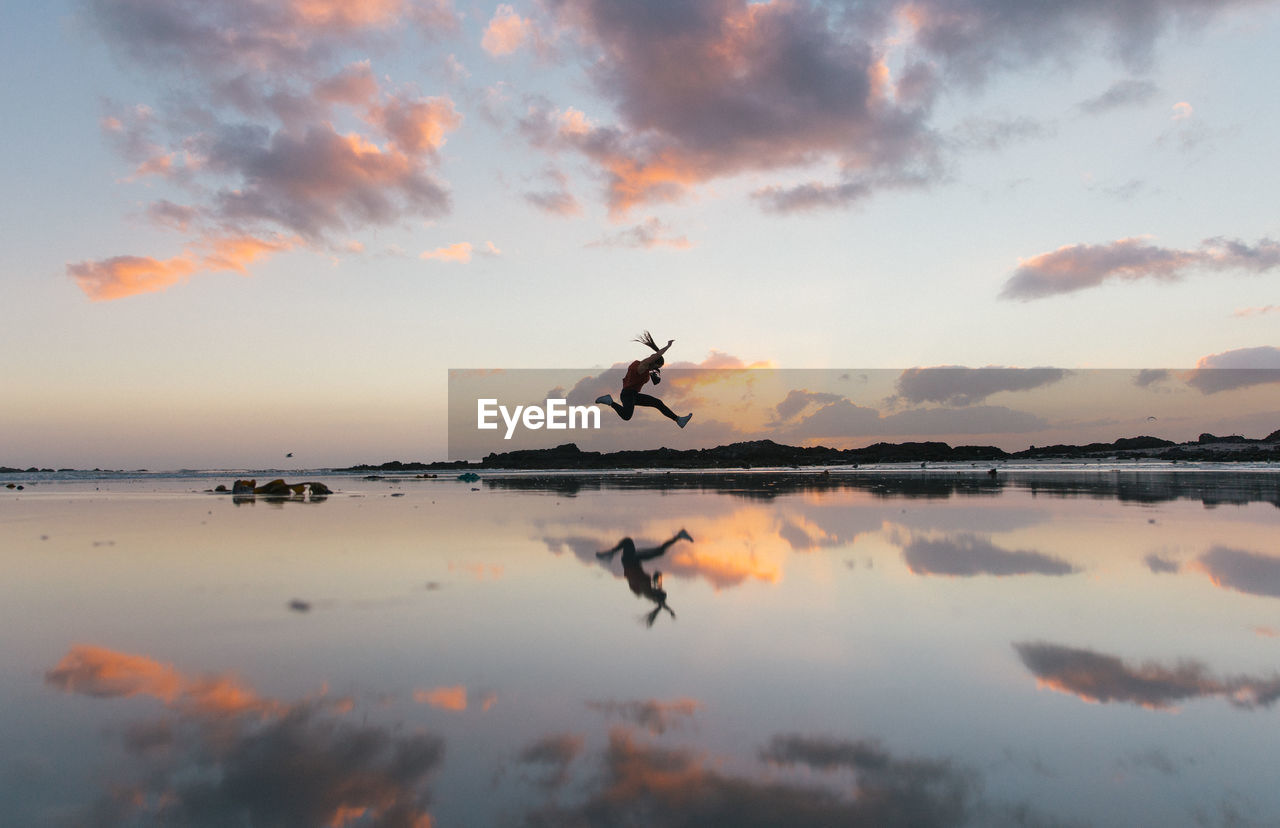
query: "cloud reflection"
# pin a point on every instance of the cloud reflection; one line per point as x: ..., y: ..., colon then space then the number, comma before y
x: 640, y: 784
x: 231, y: 757
x: 963, y: 554
x: 454, y: 698
x: 653, y: 715
x: 1241, y: 570
x: 552, y: 756
x: 1096, y: 677
x: 104, y: 673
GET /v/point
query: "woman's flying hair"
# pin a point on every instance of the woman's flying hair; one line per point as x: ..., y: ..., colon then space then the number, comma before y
x: 646, y: 338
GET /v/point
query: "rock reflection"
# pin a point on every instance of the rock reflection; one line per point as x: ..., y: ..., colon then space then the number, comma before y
x: 1097, y: 677
x: 1212, y: 488
x: 641, y: 582
x: 225, y: 756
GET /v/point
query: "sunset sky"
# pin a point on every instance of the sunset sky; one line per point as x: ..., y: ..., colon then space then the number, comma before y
x: 244, y: 228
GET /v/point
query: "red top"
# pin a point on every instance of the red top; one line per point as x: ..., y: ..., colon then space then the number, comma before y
x: 637, y: 376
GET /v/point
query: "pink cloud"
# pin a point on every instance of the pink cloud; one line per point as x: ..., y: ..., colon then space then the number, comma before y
x: 1257, y: 311
x: 715, y: 89
x: 1236, y: 369
x: 506, y: 31
x: 417, y: 126
x: 1080, y: 266
x: 650, y: 233
x: 252, y: 135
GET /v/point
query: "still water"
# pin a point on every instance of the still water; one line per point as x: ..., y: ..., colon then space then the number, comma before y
x: 934, y: 648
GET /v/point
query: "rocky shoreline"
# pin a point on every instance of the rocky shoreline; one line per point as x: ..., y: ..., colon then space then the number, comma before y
x: 766, y: 453
x: 756, y: 453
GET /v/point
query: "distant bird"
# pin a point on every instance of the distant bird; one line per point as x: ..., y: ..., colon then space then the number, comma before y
x: 1151, y: 419
x: 290, y: 454
x: 992, y: 472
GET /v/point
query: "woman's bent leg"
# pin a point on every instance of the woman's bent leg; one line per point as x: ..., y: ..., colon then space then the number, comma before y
x: 654, y: 402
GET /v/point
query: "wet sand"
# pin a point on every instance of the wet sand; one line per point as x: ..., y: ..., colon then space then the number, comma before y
x: 920, y: 648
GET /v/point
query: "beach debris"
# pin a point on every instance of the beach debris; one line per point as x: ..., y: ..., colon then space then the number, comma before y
x: 992, y: 472
x: 468, y: 477
x: 298, y: 605
x: 426, y: 476
x: 11, y: 485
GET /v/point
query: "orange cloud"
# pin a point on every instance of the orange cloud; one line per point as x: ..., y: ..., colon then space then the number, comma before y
x: 235, y: 252
x: 634, y: 181
x: 417, y: 126
x: 122, y: 276
x: 460, y: 252
x: 347, y: 14
x: 506, y: 31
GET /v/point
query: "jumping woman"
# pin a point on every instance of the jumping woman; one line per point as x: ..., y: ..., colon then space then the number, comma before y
x: 638, y: 373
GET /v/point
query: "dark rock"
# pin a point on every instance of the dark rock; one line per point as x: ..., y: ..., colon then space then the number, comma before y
x: 319, y: 489
x: 279, y: 488
x: 243, y: 486
x: 1143, y: 442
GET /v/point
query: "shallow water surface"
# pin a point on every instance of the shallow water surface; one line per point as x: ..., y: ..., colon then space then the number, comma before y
x: 927, y: 649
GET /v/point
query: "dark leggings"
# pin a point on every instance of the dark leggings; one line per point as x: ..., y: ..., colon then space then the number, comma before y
x: 632, y: 398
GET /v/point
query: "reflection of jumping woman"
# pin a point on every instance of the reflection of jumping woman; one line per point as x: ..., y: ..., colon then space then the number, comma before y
x: 638, y: 373
x: 641, y: 582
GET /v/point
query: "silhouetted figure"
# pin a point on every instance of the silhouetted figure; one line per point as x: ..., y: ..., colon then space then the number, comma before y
x: 638, y: 373
x: 641, y: 582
